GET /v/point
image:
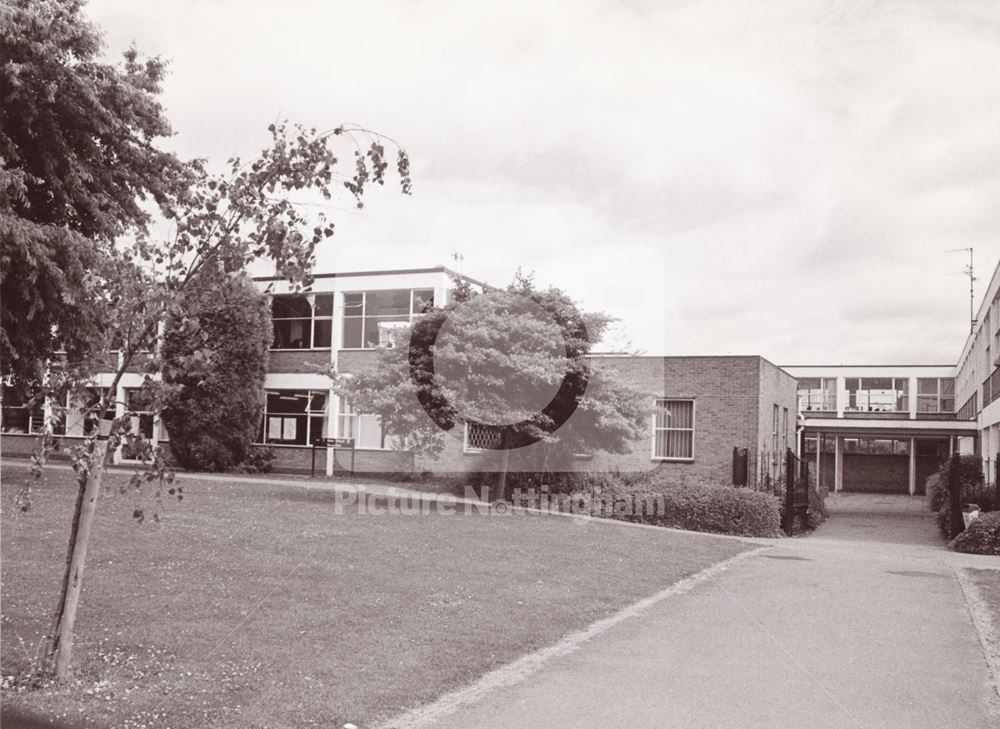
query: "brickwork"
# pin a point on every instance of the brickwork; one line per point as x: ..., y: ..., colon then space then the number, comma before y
x: 310, y: 361
x: 733, y: 397
x: 876, y: 473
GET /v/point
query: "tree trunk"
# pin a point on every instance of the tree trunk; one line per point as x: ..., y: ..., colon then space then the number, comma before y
x: 504, y: 465
x: 61, y: 646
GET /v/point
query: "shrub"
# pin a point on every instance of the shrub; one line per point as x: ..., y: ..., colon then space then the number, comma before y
x: 700, y: 507
x: 972, y: 491
x: 982, y: 536
x: 215, y: 358
x: 258, y: 460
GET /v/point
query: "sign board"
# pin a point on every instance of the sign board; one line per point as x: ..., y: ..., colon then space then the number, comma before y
x: 334, y: 442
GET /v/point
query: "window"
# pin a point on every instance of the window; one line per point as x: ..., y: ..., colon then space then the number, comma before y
x: 366, y: 430
x: 673, y: 430
x: 935, y: 395
x: 21, y: 415
x: 818, y: 393
x: 92, y: 416
x: 878, y: 394
x: 774, y: 429
x: 140, y: 412
x: 480, y: 437
x: 302, y: 321
x: 371, y: 317
x: 784, y: 429
x: 294, y: 417
x: 877, y: 446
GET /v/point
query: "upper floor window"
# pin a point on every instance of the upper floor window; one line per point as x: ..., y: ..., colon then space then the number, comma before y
x: 818, y: 393
x: 371, y: 317
x: 935, y: 395
x: 302, y: 321
x: 878, y: 394
x: 673, y: 430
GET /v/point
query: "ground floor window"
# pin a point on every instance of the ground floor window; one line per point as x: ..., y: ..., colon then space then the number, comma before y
x: 21, y: 415
x: 481, y: 437
x: 294, y: 417
x: 673, y: 430
x: 365, y: 429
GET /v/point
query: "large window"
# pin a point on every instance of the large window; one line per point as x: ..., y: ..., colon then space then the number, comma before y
x: 673, y: 430
x: 140, y: 411
x: 935, y: 395
x: 877, y: 446
x: 366, y: 430
x: 371, y: 317
x: 302, y: 321
x: 818, y: 393
x: 21, y: 415
x: 92, y: 416
x: 878, y: 394
x: 294, y: 417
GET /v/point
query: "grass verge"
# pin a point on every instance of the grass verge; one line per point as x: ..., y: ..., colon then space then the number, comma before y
x: 255, y: 605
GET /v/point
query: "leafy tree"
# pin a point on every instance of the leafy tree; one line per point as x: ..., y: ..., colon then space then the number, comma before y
x: 77, y: 156
x: 213, y: 420
x: 77, y: 146
x: 514, y: 364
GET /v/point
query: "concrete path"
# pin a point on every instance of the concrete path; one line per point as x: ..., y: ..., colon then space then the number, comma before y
x: 862, y: 624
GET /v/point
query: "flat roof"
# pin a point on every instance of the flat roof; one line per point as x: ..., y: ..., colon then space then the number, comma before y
x: 386, y: 272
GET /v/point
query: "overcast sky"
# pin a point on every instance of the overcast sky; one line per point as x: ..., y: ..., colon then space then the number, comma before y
x: 774, y: 178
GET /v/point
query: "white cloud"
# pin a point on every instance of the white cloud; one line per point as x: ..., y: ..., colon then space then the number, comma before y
x: 729, y: 178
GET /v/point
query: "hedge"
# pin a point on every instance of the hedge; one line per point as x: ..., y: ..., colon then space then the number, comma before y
x: 981, y: 537
x: 973, y: 491
x: 700, y: 507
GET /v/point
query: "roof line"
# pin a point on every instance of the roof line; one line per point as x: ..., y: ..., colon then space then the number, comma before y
x: 385, y: 272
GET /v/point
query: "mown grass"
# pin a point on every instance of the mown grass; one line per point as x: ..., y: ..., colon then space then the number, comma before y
x: 254, y: 605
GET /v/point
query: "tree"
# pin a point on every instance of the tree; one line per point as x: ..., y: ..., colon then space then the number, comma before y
x: 213, y: 420
x: 72, y: 183
x: 514, y: 365
x: 77, y: 156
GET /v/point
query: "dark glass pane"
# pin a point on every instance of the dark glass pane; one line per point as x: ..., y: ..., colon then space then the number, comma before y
x: 352, y: 333
x: 809, y: 383
x: 388, y: 303
x: 371, y: 332
x: 354, y: 304
x: 324, y: 333
x: 292, y: 401
x: 947, y: 386
x: 927, y: 386
x: 315, y: 428
x: 324, y: 304
x: 292, y: 334
x: 876, y: 383
x: 290, y: 307
x: 423, y: 299
x: 947, y: 404
x: 318, y: 402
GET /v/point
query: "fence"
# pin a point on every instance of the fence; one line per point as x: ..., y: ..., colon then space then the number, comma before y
x: 781, y: 473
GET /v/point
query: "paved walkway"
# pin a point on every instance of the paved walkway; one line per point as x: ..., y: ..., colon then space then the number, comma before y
x: 862, y: 624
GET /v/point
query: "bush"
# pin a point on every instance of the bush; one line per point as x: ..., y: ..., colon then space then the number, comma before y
x: 700, y: 507
x: 972, y: 491
x: 215, y: 358
x: 982, y: 536
x: 258, y: 460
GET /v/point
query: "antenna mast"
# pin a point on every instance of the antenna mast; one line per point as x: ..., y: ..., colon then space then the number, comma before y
x: 970, y: 272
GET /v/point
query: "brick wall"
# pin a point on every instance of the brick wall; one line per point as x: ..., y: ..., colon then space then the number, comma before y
x: 297, y: 361
x: 356, y: 360
x: 728, y: 392
x: 876, y: 473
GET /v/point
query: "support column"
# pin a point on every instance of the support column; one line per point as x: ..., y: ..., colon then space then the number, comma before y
x: 838, y: 464
x: 913, y: 466
x: 333, y: 400
x: 819, y: 457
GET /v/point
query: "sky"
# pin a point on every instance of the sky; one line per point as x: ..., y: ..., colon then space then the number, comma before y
x: 773, y: 178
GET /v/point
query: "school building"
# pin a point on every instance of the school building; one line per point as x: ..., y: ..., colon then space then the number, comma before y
x: 864, y: 427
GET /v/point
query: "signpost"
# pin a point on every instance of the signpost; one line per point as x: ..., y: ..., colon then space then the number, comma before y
x: 336, y: 444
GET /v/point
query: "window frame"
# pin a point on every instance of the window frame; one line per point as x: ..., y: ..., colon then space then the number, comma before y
x: 860, y: 380
x: 692, y: 429
x: 938, y: 396
x: 821, y: 391
x: 313, y: 319
x: 466, y: 448
x: 364, y: 315
x: 309, y: 414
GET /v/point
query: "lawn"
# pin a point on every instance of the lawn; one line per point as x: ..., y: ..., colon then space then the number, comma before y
x: 254, y: 605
